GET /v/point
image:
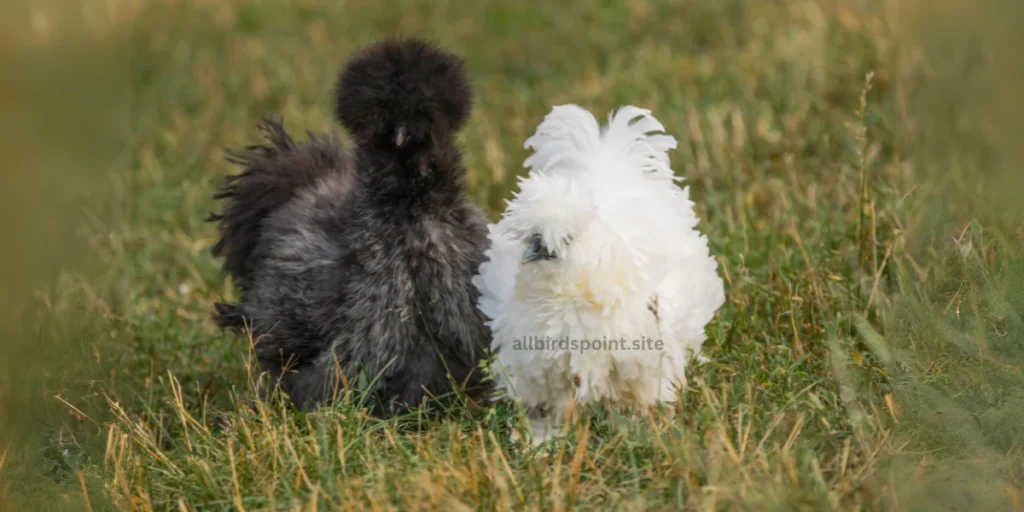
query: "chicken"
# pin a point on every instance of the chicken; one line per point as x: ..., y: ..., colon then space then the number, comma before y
x: 356, y: 265
x: 598, y: 285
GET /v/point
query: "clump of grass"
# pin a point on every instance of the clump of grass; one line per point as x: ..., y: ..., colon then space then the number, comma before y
x: 956, y: 328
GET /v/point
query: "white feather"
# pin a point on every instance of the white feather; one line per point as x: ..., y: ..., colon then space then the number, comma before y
x: 605, y: 202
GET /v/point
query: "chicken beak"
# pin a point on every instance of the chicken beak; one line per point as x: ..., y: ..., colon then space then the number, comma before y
x: 399, y: 136
x: 529, y: 255
x: 535, y: 251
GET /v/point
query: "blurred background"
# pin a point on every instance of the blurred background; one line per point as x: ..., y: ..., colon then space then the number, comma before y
x: 857, y: 164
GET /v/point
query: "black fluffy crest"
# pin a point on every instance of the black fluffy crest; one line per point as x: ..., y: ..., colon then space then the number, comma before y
x: 403, y: 93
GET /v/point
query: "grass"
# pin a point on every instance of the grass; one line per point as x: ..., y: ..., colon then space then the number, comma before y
x: 852, y: 162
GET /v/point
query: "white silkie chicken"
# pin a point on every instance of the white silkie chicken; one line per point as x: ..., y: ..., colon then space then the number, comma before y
x: 598, y: 285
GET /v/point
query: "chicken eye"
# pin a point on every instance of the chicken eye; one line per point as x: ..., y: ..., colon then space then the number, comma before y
x: 535, y: 250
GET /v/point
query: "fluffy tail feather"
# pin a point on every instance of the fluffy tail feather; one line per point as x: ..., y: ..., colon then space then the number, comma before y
x: 273, y: 172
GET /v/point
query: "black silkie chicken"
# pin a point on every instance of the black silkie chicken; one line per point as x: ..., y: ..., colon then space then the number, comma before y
x: 361, y: 260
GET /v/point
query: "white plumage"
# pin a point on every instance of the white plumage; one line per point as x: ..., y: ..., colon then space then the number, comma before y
x: 600, y: 243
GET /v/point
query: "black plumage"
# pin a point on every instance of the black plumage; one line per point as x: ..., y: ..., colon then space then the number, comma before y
x: 361, y: 260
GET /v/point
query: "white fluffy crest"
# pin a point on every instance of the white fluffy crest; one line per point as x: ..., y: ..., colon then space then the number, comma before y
x: 569, y: 138
x: 600, y: 243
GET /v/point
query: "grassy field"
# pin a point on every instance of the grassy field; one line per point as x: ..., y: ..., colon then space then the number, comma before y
x: 855, y: 164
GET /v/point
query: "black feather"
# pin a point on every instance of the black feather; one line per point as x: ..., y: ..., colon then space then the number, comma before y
x: 403, y: 83
x: 341, y: 275
x: 273, y: 173
x: 229, y: 315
